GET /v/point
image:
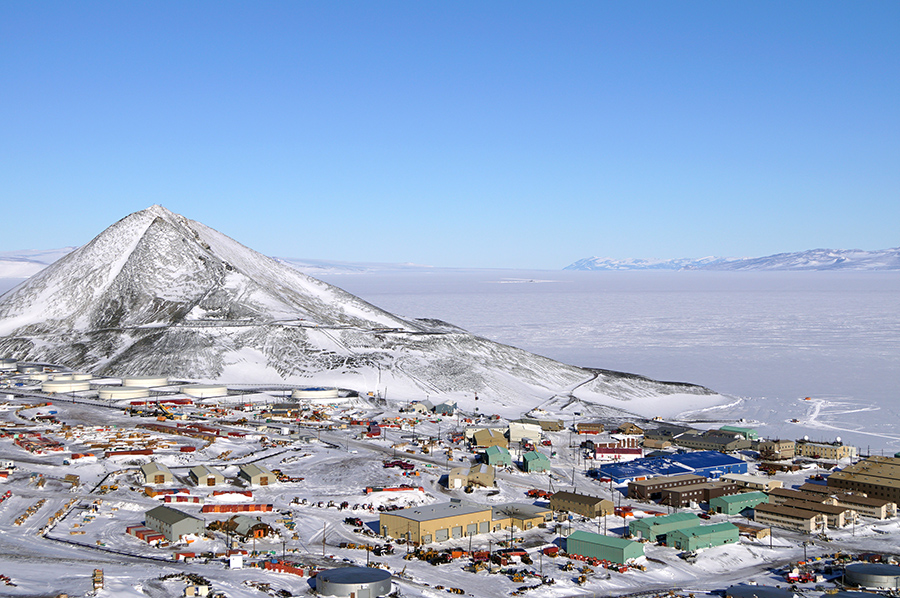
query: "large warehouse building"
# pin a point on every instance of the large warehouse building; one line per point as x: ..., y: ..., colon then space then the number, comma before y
x: 607, y: 548
x: 710, y: 464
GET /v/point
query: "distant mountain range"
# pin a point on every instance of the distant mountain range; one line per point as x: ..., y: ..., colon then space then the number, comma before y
x: 813, y: 259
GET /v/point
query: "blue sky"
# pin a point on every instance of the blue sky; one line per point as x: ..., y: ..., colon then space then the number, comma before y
x: 469, y: 134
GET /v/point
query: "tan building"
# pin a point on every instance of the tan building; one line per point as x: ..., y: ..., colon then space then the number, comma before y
x: 489, y: 437
x: 256, y: 475
x: 821, y: 450
x: 835, y: 516
x: 752, y: 482
x: 204, y: 475
x: 876, y: 508
x: 582, y: 504
x: 776, y: 450
x: 520, y: 516
x: 629, y: 428
x: 437, y: 523
x: 876, y: 477
x: 781, y: 516
x: 477, y: 475
x: 588, y: 428
x: 156, y: 473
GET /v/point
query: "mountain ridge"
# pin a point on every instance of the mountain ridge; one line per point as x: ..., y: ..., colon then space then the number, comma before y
x: 157, y: 293
x: 809, y: 260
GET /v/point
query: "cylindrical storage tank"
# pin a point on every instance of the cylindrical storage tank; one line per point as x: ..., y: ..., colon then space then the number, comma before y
x: 873, y: 575
x: 114, y: 393
x: 81, y: 376
x: 7, y: 364
x: 145, y: 381
x: 55, y: 386
x: 29, y: 368
x: 353, y: 581
x: 61, y: 377
x: 39, y: 377
x: 315, y: 393
x: 204, y: 391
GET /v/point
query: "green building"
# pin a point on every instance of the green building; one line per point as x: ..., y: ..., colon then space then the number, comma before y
x: 654, y: 528
x: 734, y: 504
x: 497, y: 456
x: 535, y: 461
x: 703, y: 536
x: 608, y: 548
x: 748, y: 433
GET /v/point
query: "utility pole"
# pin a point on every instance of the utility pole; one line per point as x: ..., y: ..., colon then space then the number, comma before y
x: 324, y: 525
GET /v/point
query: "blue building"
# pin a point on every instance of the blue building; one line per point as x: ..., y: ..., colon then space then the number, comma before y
x: 710, y: 464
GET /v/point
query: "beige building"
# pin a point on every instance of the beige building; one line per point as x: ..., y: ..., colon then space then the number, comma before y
x: 477, y: 475
x: 582, y: 504
x: 752, y: 482
x: 776, y: 450
x: 875, y: 477
x: 437, y: 523
x: 204, y: 475
x: 781, y: 516
x: 489, y: 437
x: 156, y: 473
x: 520, y: 516
x: 822, y: 450
x: 835, y: 516
x: 459, y: 519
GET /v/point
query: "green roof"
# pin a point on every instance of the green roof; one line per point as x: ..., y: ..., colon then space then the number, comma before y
x: 534, y: 455
x: 739, y: 498
x: 602, y: 540
x: 706, y: 530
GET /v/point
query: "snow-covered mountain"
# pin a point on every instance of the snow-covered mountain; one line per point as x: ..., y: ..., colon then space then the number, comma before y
x: 813, y: 259
x: 156, y: 293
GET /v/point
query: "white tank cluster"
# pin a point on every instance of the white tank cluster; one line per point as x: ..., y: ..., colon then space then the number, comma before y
x: 315, y: 393
x: 204, y: 391
x: 145, y: 381
x: 56, y: 386
x: 114, y: 393
x: 71, y: 376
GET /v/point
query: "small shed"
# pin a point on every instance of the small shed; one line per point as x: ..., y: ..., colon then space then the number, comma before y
x: 497, y: 456
x: 535, y: 461
x: 156, y: 473
x: 256, y: 475
x: 608, y: 548
x: 204, y: 475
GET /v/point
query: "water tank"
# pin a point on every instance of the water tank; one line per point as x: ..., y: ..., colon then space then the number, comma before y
x: 315, y: 393
x: 360, y: 582
x: 204, y: 391
x: 145, y: 381
x: 873, y: 575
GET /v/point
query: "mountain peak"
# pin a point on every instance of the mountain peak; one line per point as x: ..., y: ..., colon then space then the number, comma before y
x: 157, y: 268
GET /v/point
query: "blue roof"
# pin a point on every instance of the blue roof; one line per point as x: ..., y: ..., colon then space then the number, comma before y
x: 677, y: 464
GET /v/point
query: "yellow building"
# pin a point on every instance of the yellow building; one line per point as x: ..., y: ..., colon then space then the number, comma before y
x: 437, y: 523
x: 822, y: 450
x: 459, y: 519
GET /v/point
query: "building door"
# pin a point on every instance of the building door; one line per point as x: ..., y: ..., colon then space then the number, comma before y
x: 210, y: 481
x: 159, y: 479
x: 441, y: 535
x: 457, y: 531
x: 471, y: 529
x: 264, y: 480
